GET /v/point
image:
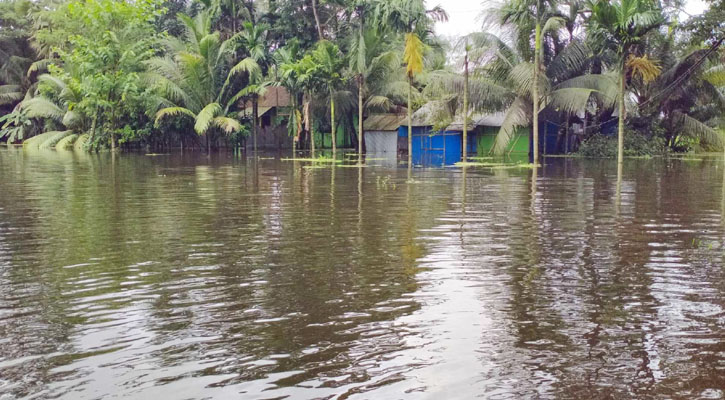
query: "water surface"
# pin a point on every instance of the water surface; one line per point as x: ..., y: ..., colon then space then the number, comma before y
x: 195, y: 277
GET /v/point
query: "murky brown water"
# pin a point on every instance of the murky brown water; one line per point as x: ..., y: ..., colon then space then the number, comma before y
x: 194, y: 278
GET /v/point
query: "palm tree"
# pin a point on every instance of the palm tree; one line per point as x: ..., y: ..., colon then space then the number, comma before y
x: 196, y: 81
x: 542, y: 14
x: 329, y: 64
x: 287, y: 76
x: 372, y: 61
x: 253, y: 38
x: 501, y: 80
x: 684, y: 99
x: 412, y: 18
x: 55, y: 105
x: 413, y: 59
x: 466, y: 50
x: 304, y: 76
x: 621, y: 25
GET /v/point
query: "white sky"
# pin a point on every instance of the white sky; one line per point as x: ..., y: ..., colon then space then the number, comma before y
x: 464, y: 15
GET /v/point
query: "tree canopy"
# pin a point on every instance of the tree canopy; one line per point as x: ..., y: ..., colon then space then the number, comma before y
x: 162, y: 72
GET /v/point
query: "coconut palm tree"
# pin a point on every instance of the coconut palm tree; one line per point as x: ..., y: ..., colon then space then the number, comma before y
x: 197, y: 80
x: 413, y: 59
x: 621, y: 26
x: 501, y: 80
x: 372, y: 64
x: 253, y: 38
x: 412, y: 18
x: 328, y: 71
x: 543, y: 17
x: 684, y: 99
x: 303, y: 75
x: 287, y: 76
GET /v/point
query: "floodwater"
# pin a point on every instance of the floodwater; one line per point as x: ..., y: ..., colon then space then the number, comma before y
x: 188, y: 277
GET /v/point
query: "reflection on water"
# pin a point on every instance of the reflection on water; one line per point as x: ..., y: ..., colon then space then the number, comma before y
x: 195, y: 277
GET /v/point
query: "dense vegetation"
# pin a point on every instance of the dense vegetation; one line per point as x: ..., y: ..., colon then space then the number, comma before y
x: 100, y: 74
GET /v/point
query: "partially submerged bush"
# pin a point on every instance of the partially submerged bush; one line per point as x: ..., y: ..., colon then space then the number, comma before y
x: 635, y: 145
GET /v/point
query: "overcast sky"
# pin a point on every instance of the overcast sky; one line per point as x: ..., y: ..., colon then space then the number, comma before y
x: 464, y: 15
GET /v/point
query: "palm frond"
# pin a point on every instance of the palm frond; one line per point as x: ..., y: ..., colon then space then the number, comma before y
x: 378, y: 103
x: 569, y: 61
x: 645, y: 68
x: 172, y: 112
x: 40, y: 65
x: 605, y: 87
x: 226, y: 124
x: 53, y: 82
x: 168, y: 88
x: 691, y: 127
x: 413, y: 54
x: 715, y: 75
x: 570, y: 100
x: 71, y: 118
x: 53, y: 139
x: 358, y: 63
x: 522, y: 77
x: 209, y: 46
x: 41, y: 107
x: 10, y: 94
x: 205, y: 117
x: 517, y: 115
x: 248, y: 65
x: 553, y: 24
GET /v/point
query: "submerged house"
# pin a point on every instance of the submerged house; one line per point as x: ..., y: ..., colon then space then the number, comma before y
x: 273, y: 110
x: 483, y: 129
x: 382, y: 142
x: 431, y: 147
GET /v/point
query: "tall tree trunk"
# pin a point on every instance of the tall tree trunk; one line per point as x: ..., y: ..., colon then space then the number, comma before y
x: 317, y: 19
x: 308, y: 125
x: 566, y: 135
x: 112, y: 130
x: 255, y: 121
x: 360, y: 128
x: 298, y: 126
x: 535, y: 100
x: 250, y: 7
x: 332, y: 123
x: 93, y: 130
x: 620, y: 136
x: 410, y: 128
x: 465, y: 107
x: 234, y: 18
x: 360, y: 87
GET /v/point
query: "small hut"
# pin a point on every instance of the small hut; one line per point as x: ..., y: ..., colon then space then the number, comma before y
x: 432, y: 147
x: 273, y: 110
x: 381, y: 133
x: 381, y: 138
x: 482, y: 129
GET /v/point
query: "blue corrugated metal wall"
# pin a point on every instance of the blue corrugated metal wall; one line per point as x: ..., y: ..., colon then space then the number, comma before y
x: 442, y: 148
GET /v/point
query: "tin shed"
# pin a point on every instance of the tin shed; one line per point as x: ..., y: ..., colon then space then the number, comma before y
x: 430, y: 147
x: 381, y: 133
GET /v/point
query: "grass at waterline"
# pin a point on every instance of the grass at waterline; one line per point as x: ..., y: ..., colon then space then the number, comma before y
x: 495, y: 165
x: 319, y: 160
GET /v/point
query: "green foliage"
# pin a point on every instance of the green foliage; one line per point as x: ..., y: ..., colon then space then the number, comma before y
x: 199, y: 81
x: 15, y: 126
x: 156, y: 71
x: 635, y: 145
x: 97, y: 75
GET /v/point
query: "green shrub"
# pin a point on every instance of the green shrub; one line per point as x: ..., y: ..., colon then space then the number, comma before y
x: 635, y: 145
